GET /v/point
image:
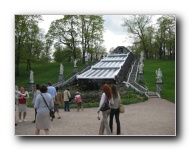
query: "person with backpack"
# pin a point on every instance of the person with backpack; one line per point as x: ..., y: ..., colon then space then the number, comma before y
x: 78, y: 100
x: 67, y: 96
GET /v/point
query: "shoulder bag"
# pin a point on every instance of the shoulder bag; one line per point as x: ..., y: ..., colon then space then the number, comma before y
x: 51, y: 112
x: 105, y: 106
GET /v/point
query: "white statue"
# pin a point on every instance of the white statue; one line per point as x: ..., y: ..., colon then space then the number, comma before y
x: 75, y: 63
x: 31, y: 76
x: 159, y: 75
x: 141, y: 68
x: 86, y: 58
x: 141, y: 58
x: 61, y: 69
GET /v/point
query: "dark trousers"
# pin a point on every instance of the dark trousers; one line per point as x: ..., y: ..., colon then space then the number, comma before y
x: 116, y: 113
x: 66, y: 107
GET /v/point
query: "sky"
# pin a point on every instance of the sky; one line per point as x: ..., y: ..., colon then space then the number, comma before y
x: 114, y: 34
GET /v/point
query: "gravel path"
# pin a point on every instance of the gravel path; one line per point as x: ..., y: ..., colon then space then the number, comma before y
x: 153, y: 117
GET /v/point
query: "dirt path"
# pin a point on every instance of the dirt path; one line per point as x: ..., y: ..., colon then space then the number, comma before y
x: 153, y: 117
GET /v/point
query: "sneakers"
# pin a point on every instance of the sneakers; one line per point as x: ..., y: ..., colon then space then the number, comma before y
x: 24, y: 120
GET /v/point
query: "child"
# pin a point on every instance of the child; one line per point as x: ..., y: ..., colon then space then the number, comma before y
x: 79, y: 101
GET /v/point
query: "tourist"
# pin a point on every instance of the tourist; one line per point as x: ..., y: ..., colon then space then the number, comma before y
x: 67, y: 96
x: 78, y: 100
x: 115, y: 109
x: 16, y: 101
x: 58, y: 100
x: 51, y: 90
x: 43, y: 113
x: 106, y: 96
x: 35, y: 93
x: 22, y: 97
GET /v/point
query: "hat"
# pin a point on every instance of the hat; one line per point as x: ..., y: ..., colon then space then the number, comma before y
x: 77, y: 92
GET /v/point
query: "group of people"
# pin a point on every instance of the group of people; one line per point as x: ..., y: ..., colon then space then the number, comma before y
x: 110, y: 95
x: 48, y: 97
x: 44, y: 98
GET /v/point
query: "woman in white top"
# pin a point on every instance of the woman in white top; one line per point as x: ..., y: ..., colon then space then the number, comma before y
x: 106, y: 96
x: 43, y: 113
x: 22, y: 97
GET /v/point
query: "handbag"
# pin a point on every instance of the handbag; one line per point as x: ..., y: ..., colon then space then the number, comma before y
x: 121, y: 108
x: 51, y: 112
x: 69, y: 97
x: 105, y: 106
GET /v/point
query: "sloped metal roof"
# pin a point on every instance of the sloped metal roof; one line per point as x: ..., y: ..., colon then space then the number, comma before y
x: 107, y: 68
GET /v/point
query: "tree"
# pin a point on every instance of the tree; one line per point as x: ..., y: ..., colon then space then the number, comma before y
x: 91, y: 34
x: 111, y: 49
x: 165, y: 36
x: 136, y: 28
x: 64, y: 32
x: 26, y: 32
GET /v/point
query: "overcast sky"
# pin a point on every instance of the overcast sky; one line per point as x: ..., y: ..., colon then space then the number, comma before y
x: 113, y: 36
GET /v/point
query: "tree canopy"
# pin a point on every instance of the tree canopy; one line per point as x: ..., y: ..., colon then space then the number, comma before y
x: 154, y: 41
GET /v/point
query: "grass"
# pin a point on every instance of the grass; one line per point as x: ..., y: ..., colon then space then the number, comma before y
x: 45, y: 72
x: 168, y: 71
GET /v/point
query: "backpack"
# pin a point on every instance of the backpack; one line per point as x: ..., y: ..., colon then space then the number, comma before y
x: 78, y: 99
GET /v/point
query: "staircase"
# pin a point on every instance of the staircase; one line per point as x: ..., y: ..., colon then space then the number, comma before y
x: 132, y: 82
x: 153, y: 94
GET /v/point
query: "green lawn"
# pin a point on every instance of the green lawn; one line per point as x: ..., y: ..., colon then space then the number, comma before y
x: 45, y: 72
x: 168, y: 71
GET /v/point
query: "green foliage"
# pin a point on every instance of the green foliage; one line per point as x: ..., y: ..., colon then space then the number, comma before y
x: 28, y: 40
x: 45, y: 72
x: 157, y: 41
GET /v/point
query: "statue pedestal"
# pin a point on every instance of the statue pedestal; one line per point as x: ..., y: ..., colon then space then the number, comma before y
x: 158, y: 87
x: 141, y: 77
x: 60, y: 78
x: 75, y: 70
x: 30, y: 86
x: 86, y: 63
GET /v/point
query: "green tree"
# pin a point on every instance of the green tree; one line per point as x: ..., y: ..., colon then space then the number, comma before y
x: 165, y: 36
x: 91, y: 34
x: 26, y: 41
x: 136, y: 26
x: 64, y: 32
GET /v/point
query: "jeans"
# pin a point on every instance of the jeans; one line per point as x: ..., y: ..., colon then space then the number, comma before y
x: 116, y: 113
x: 66, y: 106
x: 104, y: 123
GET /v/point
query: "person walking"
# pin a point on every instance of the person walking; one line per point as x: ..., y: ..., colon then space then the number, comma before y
x: 67, y: 96
x: 58, y: 100
x: 105, y: 98
x: 43, y: 113
x: 22, y: 97
x: 35, y: 93
x: 115, y: 109
x: 51, y: 90
x: 78, y: 100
